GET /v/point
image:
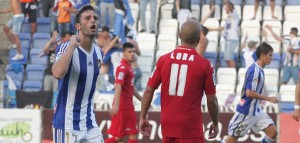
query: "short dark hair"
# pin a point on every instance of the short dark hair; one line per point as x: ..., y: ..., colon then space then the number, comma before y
x: 204, y: 30
x: 127, y: 45
x: 294, y: 30
x: 263, y: 48
x: 83, y: 9
x: 105, y: 29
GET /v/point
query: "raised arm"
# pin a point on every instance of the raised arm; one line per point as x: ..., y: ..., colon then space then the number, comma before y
x: 216, y: 29
x: 243, y: 45
x: 212, y: 9
x: 278, y: 38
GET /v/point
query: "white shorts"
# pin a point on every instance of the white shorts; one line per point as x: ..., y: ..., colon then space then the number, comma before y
x: 93, y: 135
x: 240, y: 124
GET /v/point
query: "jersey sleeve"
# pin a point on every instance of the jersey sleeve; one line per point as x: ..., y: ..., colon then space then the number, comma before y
x: 60, y: 50
x: 210, y: 80
x: 155, y: 78
x: 121, y: 74
x: 252, y: 80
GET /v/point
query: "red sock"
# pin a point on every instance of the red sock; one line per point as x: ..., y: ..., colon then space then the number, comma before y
x: 111, y: 140
x: 132, y: 141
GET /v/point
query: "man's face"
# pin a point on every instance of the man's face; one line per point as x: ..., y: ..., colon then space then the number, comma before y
x: 129, y: 54
x: 89, y: 23
x: 267, y: 58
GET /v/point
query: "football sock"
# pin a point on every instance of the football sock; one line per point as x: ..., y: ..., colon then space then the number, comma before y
x: 266, y: 139
x: 111, y: 140
x: 132, y: 141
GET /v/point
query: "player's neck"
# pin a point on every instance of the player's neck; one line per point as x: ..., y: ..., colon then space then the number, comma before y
x: 260, y: 63
x: 86, y: 43
x: 188, y: 45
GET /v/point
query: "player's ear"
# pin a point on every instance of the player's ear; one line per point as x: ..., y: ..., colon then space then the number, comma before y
x: 77, y: 26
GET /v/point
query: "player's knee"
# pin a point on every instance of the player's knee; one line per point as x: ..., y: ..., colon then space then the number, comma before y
x: 273, y: 134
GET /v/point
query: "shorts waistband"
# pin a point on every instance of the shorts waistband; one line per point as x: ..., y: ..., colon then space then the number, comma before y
x: 18, y: 15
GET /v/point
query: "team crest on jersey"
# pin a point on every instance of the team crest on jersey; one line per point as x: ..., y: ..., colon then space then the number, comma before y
x: 242, y: 102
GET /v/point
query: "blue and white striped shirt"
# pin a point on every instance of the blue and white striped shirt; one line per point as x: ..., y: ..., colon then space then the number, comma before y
x: 74, y: 105
x: 254, y: 81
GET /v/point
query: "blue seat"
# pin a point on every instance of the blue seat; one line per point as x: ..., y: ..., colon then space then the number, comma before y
x: 25, y: 40
x: 292, y: 2
x: 15, y: 71
x: 40, y: 39
x: 43, y: 24
x: 13, y: 52
x: 32, y: 85
x: 9, y: 96
x: 35, y: 57
x: 26, y: 26
x: 276, y: 61
x: 286, y: 107
x: 212, y: 57
x: 35, y: 72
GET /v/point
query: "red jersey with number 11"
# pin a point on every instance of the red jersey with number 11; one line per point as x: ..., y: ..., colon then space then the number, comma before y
x: 184, y: 75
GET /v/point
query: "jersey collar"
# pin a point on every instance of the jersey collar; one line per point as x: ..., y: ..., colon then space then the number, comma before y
x: 186, y: 49
x: 123, y: 61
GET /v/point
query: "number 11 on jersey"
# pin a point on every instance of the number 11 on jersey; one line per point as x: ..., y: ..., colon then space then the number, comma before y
x: 176, y: 81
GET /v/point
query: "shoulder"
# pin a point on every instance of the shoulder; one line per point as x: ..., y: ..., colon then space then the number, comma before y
x: 62, y: 47
x: 98, y: 51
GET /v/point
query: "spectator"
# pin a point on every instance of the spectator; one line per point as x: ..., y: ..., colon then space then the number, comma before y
x: 29, y: 8
x: 46, y: 6
x: 107, y: 7
x: 153, y: 8
x: 15, y: 25
x: 203, y: 41
x: 249, y: 54
x: 65, y: 8
x: 137, y: 71
x: 183, y: 10
x: 50, y: 83
x: 272, y: 6
x: 291, y: 61
x: 231, y: 33
x: 108, y: 44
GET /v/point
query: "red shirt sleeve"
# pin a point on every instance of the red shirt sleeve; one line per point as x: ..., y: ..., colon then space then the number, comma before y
x: 121, y: 74
x: 210, y: 80
x: 155, y: 78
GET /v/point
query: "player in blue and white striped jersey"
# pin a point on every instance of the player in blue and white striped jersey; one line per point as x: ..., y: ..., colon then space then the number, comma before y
x: 248, y: 113
x: 77, y: 66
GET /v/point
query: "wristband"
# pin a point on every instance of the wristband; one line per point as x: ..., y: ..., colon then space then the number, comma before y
x: 296, y: 106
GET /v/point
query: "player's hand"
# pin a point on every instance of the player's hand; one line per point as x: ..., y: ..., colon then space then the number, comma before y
x: 75, y: 41
x: 296, y: 115
x: 113, y: 111
x: 144, y: 127
x: 273, y: 99
x: 213, y: 131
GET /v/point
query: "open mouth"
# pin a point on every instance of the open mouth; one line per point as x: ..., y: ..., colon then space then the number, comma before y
x: 93, y: 27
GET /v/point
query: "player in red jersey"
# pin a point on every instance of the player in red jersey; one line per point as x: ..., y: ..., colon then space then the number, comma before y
x: 122, y: 112
x: 184, y: 76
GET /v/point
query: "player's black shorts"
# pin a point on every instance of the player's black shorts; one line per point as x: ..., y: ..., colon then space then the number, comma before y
x: 30, y: 9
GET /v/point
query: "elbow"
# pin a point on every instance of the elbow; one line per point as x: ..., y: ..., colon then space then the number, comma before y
x: 57, y: 74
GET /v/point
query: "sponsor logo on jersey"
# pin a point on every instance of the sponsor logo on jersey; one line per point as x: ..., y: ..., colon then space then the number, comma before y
x: 242, y: 102
x: 120, y: 76
x: 90, y: 63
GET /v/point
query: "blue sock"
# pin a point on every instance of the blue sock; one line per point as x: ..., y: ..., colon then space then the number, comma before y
x: 222, y: 141
x: 266, y: 139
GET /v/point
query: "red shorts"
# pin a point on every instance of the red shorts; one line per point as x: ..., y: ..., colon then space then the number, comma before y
x: 123, y: 123
x: 183, y: 140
